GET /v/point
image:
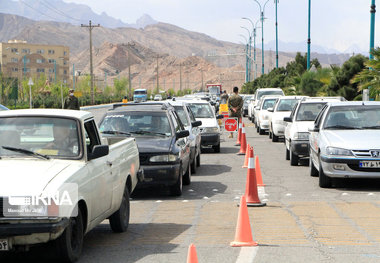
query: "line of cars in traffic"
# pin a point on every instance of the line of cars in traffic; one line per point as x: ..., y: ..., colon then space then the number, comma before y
x: 339, y: 137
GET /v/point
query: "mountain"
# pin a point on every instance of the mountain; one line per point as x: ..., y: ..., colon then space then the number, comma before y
x: 299, y: 47
x: 60, y: 11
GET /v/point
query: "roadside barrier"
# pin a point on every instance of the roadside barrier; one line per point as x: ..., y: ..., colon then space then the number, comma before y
x: 259, y: 178
x: 192, y: 254
x: 243, y: 234
x: 243, y: 142
x: 239, y: 133
x: 247, y: 156
x: 251, y: 193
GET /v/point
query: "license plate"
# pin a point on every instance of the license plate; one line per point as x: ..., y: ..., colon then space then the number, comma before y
x: 369, y: 164
x: 4, y: 245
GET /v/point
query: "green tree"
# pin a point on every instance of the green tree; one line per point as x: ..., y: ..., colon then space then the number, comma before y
x: 370, y: 75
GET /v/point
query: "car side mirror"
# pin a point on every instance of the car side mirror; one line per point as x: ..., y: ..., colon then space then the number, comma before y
x: 212, y: 103
x: 99, y: 151
x: 219, y: 117
x: 315, y: 129
x: 288, y: 119
x: 196, y: 123
x: 257, y: 107
x: 270, y: 109
x: 182, y: 134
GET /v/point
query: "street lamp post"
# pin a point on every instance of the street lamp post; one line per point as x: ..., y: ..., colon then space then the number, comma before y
x: 254, y: 27
x: 276, y: 1
x: 246, y: 57
x: 308, y: 37
x: 262, y: 33
x: 249, y: 60
x: 372, y: 33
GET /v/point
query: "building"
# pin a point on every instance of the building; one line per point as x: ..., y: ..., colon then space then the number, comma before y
x: 21, y: 60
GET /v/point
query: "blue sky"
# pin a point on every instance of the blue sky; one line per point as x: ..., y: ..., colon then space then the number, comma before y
x: 335, y: 24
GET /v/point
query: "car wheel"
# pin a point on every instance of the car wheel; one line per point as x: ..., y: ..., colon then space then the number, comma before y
x: 119, y: 221
x: 216, y: 148
x: 249, y: 118
x: 274, y: 138
x: 324, y: 180
x: 293, y: 158
x: 313, y: 170
x: 199, y: 159
x: 69, y: 245
x: 194, y: 165
x: 287, y: 153
x: 261, y: 131
x: 270, y: 134
x: 187, y: 176
x: 176, y: 189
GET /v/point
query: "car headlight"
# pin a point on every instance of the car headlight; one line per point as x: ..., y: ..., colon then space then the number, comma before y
x: 210, y: 130
x: 163, y: 158
x: 338, y: 151
x: 301, y: 136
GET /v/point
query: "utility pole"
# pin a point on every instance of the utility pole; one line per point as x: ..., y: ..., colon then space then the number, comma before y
x: 90, y: 27
x: 158, y: 91
x: 129, y: 80
x: 180, y: 76
x: 202, y: 80
x: 308, y: 36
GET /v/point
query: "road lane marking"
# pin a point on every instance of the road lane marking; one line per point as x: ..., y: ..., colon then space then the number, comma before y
x: 247, y: 254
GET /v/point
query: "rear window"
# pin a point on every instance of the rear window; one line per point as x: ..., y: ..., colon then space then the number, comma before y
x: 268, y: 92
x: 286, y: 105
x: 309, y: 111
x: 268, y: 103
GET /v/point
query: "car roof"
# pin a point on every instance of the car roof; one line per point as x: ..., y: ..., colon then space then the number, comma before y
x: 292, y: 97
x: 269, y: 89
x: 142, y: 106
x: 354, y: 103
x: 320, y: 99
x: 77, y: 114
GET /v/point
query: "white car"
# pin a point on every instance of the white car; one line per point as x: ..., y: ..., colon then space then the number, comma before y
x: 344, y: 142
x: 210, y: 130
x: 263, y: 115
x: 256, y: 100
x: 298, y: 124
x: 157, y: 97
x: 281, y: 109
x: 47, y: 152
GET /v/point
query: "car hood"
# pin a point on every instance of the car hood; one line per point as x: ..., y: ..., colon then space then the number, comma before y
x: 28, y: 176
x: 154, y: 144
x: 303, y: 126
x: 208, y: 122
x: 353, y: 139
x: 280, y: 115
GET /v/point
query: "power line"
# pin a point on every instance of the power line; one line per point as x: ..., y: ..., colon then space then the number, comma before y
x: 37, y: 10
x: 51, y: 7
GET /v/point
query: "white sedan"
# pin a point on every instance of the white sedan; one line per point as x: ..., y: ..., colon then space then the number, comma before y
x: 344, y: 142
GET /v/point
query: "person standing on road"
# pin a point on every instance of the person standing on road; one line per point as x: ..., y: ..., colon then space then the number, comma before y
x: 235, y: 105
x: 224, y: 97
x: 71, y: 102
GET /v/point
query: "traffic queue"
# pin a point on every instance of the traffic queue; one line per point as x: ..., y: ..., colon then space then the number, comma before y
x: 338, y: 137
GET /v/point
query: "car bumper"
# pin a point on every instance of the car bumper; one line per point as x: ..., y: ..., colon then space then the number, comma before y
x: 210, y: 139
x: 264, y: 124
x: 347, y: 168
x: 278, y: 130
x: 166, y: 174
x: 300, y: 148
x: 28, y: 232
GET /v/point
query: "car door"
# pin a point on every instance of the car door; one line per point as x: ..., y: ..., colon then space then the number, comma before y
x: 289, y: 126
x: 314, y: 138
x: 182, y: 143
x: 99, y: 173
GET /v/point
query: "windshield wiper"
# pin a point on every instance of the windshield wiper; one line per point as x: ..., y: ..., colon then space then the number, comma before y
x: 148, y: 132
x: 116, y: 132
x: 342, y: 127
x: 372, y: 127
x: 27, y: 152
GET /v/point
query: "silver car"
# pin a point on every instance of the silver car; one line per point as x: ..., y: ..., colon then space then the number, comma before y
x: 344, y: 142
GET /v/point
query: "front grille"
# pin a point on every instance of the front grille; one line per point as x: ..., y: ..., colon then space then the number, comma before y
x: 144, y: 159
x: 361, y: 153
x: 1, y: 207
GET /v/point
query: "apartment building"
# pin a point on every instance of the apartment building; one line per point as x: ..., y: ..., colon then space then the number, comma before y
x: 21, y: 60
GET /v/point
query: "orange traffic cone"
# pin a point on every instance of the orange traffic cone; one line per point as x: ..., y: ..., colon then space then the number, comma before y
x: 243, y: 234
x: 239, y: 133
x: 243, y: 142
x: 247, y: 156
x: 251, y: 193
x: 192, y: 254
x: 259, y: 178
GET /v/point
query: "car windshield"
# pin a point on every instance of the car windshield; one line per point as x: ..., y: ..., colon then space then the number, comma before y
x: 39, y: 136
x: 268, y: 104
x: 353, y: 117
x: 2, y: 107
x: 269, y: 92
x: 202, y: 110
x: 309, y: 111
x: 286, y: 105
x: 140, y: 122
x: 247, y: 99
x: 182, y: 115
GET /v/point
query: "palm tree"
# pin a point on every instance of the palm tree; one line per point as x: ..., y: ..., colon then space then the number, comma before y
x: 370, y: 76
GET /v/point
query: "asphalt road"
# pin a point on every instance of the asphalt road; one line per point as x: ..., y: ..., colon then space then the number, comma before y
x: 301, y: 222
